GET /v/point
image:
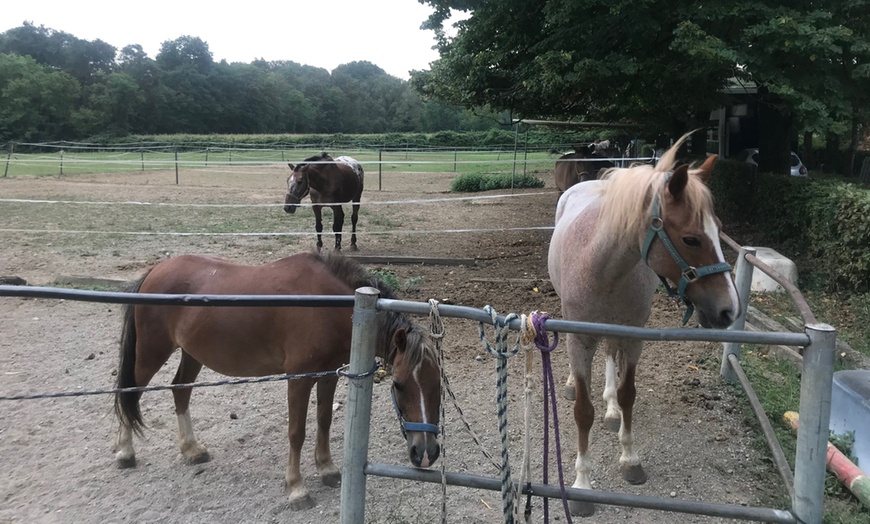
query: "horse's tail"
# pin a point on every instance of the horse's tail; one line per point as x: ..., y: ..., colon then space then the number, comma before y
x: 127, y: 404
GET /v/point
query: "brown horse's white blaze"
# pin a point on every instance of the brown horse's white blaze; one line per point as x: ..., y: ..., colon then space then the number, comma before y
x: 245, y: 341
x: 605, y: 260
x: 414, y: 388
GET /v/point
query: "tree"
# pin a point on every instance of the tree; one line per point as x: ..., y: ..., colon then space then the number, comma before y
x: 660, y: 64
x: 574, y: 59
x: 38, y: 102
x: 185, y: 51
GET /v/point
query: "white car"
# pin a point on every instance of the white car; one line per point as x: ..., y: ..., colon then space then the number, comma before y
x: 751, y: 156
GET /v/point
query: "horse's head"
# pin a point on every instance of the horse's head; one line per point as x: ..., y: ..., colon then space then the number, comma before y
x: 297, y: 187
x: 682, y: 244
x: 298, y: 184
x: 416, y: 393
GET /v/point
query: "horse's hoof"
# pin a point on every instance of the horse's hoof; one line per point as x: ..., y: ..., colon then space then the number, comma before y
x: 353, y: 247
x: 333, y: 479
x: 633, y: 474
x: 126, y: 462
x: 199, y: 458
x: 581, y: 509
x: 569, y: 393
x: 612, y: 423
x: 302, y: 503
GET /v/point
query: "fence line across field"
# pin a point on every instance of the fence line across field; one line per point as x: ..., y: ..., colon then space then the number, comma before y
x: 818, y: 342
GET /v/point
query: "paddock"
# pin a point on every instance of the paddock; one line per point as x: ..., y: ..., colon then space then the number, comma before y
x: 58, y: 451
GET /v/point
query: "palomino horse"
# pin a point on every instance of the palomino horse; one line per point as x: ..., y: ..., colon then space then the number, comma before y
x: 579, y: 166
x: 614, y: 239
x: 259, y: 341
x: 330, y: 182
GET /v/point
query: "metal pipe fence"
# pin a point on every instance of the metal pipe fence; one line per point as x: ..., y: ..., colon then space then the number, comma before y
x: 818, y: 341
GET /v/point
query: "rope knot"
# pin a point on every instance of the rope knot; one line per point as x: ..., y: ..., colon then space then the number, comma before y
x: 502, y: 330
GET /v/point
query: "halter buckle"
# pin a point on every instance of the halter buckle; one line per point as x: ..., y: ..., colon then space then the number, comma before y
x: 691, y: 274
x: 656, y: 224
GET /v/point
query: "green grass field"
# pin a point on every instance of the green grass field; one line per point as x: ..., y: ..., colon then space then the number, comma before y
x: 88, y: 162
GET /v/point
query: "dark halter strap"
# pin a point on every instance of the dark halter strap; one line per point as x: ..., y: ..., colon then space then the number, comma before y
x: 406, y: 426
x: 688, y: 274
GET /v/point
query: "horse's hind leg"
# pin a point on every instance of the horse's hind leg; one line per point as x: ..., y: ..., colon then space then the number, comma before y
x: 613, y: 414
x: 318, y: 224
x: 142, y: 355
x: 353, y: 219
x: 298, y: 392
x: 628, y: 356
x: 337, y: 225
x: 192, y: 451
x: 125, y: 455
x: 330, y: 475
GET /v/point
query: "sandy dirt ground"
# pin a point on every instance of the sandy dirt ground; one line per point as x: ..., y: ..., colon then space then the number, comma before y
x: 691, y: 429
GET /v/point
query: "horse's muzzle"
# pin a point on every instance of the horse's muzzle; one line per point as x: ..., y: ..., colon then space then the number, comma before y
x: 423, y: 448
x: 290, y: 203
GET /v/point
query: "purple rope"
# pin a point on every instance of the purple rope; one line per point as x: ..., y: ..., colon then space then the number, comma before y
x: 542, y: 342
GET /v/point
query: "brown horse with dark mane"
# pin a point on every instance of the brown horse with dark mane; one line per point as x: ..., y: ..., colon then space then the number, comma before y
x: 331, y: 182
x: 583, y: 164
x: 259, y: 341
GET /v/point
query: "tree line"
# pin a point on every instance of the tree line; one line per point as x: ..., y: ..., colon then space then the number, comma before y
x: 55, y: 86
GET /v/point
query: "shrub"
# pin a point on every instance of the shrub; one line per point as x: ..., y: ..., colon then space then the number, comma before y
x: 823, y: 224
x: 474, y: 182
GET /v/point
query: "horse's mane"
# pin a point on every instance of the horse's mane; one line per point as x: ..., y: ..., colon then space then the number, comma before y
x: 355, y: 275
x: 316, y: 158
x: 627, y: 188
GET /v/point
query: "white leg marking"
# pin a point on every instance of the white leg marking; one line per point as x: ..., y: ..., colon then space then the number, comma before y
x: 192, y: 450
x: 583, y: 467
x: 610, y: 379
x: 124, y: 452
x: 629, y: 456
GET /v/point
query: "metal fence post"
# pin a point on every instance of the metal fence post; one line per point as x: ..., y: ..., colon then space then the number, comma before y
x: 743, y: 281
x: 9, y: 158
x: 815, y: 417
x: 380, y: 167
x: 359, y: 407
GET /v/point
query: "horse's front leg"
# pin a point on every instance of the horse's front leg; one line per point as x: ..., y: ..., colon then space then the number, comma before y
x: 353, y: 218
x: 337, y: 225
x: 330, y: 475
x: 298, y: 392
x: 629, y: 461
x: 318, y: 223
x: 581, y: 350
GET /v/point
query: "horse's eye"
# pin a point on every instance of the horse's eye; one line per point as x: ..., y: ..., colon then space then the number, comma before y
x: 691, y: 241
x: 399, y: 386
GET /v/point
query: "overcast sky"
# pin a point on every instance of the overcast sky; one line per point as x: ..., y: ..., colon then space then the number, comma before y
x: 321, y: 33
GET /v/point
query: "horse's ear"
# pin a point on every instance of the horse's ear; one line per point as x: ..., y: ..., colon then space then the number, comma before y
x: 292, y: 167
x: 400, y: 340
x: 678, y: 181
x: 706, y: 168
x: 323, y: 154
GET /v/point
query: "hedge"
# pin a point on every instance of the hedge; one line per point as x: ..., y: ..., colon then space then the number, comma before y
x: 823, y: 224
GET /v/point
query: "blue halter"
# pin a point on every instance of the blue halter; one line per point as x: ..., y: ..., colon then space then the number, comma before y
x: 411, y: 426
x: 688, y: 274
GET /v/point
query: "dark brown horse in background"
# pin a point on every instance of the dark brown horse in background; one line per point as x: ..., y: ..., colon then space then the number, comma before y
x: 259, y: 341
x: 581, y: 165
x: 328, y: 181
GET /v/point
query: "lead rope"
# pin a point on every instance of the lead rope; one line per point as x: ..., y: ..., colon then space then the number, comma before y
x: 436, y: 331
x: 527, y: 339
x: 542, y: 342
x: 502, y: 353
